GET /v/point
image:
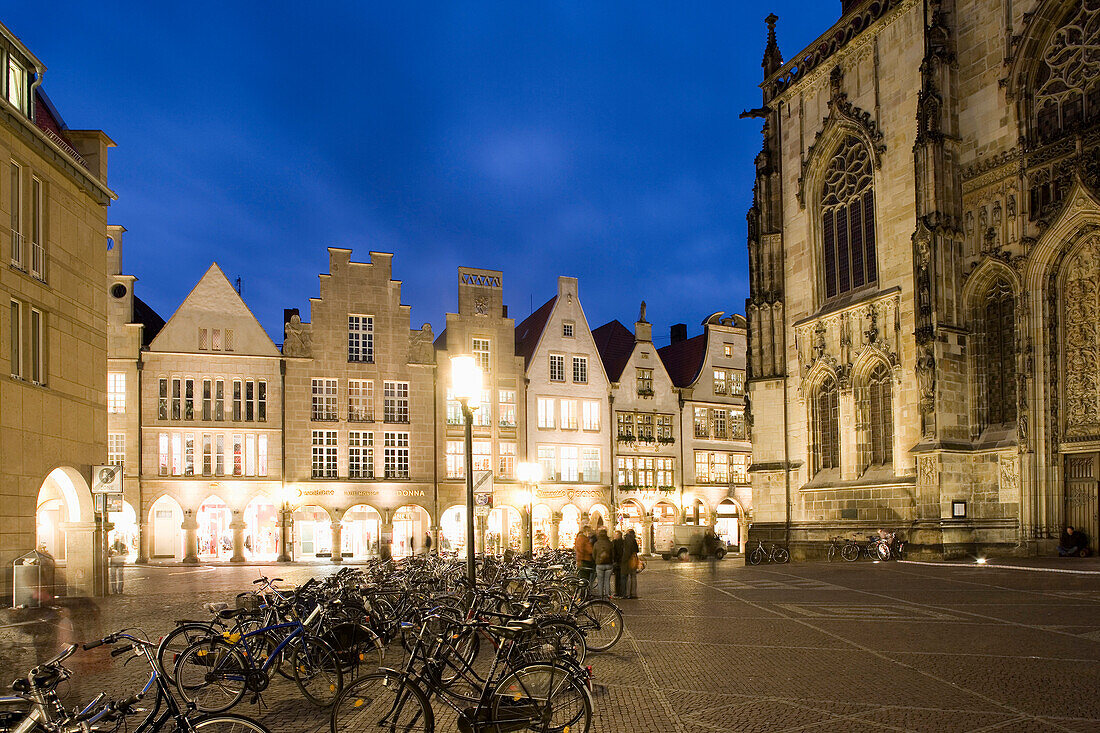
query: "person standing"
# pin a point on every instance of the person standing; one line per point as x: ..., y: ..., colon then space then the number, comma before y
x: 427, y: 543
x: 117, y: 554
x: 628, y: 565
x: 583, y: 548
x: 602, y: 555
x: 616, y: 563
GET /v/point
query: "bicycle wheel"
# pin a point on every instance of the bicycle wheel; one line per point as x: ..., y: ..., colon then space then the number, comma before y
x: 882, y: 550
x: 542, y: 697
x: 556, y: 638
x: 756, y: 556
x: 781, y: 555
x: 382, y: 701
x: 602, y: 624
x: 829, y: 553
x: 227, y: 724
x: 210, y: 674
x: 174, y: 643
x: 850, y: 552
x: 317, y: 670
x: 357, y: 647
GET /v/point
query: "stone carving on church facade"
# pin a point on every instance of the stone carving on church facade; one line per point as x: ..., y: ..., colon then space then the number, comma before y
x: 1081, y: 350
x: 844, y: 338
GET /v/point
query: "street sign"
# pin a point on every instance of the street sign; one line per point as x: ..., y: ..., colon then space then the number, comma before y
x: 107, y: 480
x: 106, y: 503
x: 483, y: 500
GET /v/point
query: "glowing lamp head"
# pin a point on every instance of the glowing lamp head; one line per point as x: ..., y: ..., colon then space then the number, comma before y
x: 466, y: 380
x: 529, y: 473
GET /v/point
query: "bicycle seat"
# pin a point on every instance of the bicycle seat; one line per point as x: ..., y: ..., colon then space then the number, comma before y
x: 539, y: 597
x: 228, y: 613
x: 513, y: 629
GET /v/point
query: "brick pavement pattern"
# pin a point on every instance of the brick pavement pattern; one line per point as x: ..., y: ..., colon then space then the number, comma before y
x: 813, y: 647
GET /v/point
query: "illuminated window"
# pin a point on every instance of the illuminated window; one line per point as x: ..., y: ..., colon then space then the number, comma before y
x: 826, y: 428
x: 360, y: 400
x: 557, y: 368
x: 482, y: 354
x: 361, y: 338
x: 116, y: 392
x: 360, y: 454
x: 323, y: 399
x: 395, y: 402
x: 324, y: 453
x: 397, y: 455
x: 116, y: 448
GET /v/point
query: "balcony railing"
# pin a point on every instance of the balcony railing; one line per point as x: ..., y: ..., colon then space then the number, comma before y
x: 321, y: 414
x: 360, y: 415
x: 701, y: 432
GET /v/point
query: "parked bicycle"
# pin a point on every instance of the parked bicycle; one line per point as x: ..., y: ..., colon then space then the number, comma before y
x: 774, y: 553
x: 843, y: 548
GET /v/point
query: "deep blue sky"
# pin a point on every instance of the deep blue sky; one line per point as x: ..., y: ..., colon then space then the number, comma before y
x: 594, y: 139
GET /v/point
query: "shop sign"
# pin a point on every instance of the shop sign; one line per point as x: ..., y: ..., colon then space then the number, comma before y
x: 568, y: 492
x: 399, y: 493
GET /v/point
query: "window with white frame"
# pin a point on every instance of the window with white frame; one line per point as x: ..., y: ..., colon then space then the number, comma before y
x: 16, y: 355
x: 38, y: 243
x: 590, y: 417
x: 116, y: 449
x: 721, y: 383
x: 397, y: 455
x: 360, y: 338
x: 483, y: 456
x: 177, y: 454
x: 718, y: 418
x: 664, y: 427
x: 250, y: 400
x: 395, y: 402
x: 737, y: 425
x: 739, y: 468
x: 189, y: 399
x: 569, y: 414
x: 238, y: 454
x: 580, y: 369
x: 207, y: 454
x: 324, y: 399
x: 644, y: 423
x: 456, y: 459
x: 570, y: 463
x: 17, y: 85
x: 116, y: 392
x: 206, y: 399
x: 727, y: 350
x: 261, y: 456
x: 702, y: 429
x: 219, y: 400
x: 624, y: 423
x: 737, y: 383
x: 219, y: 455
x: 454, y: 409
x: 567, y: 329
x: 360, y: 454
x: 237, y: 400
x: 360, y: 400
x: 250, y: 455
x: 163, y: 454
x: 645, y: 381
x: 38, y: 347
x: 324, y: 454
x: 16, y: 215
x: 548, y: 462
x: 482, y: 354
x: 590, y: 465
x: 557, y: 368
x: 507, y: 467
x: 261, y: 400
x: 546, y: 412
x: 507, y: 408
x: 483, y: 415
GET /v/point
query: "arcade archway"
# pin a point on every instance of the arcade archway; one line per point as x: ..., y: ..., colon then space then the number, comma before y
x: 165, y: 521
x: 410, y: 524
x: 261, y: 531
x: 505, y: 531
x: 360, y: 532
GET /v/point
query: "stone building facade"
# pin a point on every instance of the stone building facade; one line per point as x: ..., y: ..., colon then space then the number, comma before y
x: 482, y: 328
x: 923, y: 264
x: 53, y: 337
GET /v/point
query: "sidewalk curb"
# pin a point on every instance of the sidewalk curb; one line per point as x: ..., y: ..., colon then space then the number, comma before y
x: 992, y: 566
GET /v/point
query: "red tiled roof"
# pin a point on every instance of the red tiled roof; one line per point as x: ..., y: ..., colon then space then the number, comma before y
x: 684, y: 359
x: 530, y: 331
x: 615, y: 342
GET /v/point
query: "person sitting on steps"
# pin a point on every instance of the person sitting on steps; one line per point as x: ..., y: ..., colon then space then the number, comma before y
x: 1073, y: 544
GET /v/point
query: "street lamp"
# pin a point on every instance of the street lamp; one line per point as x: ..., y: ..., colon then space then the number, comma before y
x: 530, y: 474
x: 284, y: 520
x: 466, y: 387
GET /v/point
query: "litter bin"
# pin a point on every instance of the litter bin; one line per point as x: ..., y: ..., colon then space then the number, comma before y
x: 32, y: 573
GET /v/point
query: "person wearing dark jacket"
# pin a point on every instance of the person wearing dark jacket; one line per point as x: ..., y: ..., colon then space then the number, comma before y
x: 626, y: 565
x: 616, y: 563
x: 1073, y: 544
x: 602, y: 553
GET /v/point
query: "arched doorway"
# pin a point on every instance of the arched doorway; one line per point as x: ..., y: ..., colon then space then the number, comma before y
x: 664, y: 513
x: 361, y: 528
x: 696, y: 513
x: 64, y: 529
x: 410, y: 524
x: 599, y: 516
x: 51, y: 535
x: 542, y: 520
x: 633, y: 517
x: 452, y: 526
x: 261, y: 535
x: 215, y: 536
x: 125, y: 530
x: 312, y: 533
x: 569, y: 526
x: 728, y: 524
x: 505, y: 530
x: 165, y: 520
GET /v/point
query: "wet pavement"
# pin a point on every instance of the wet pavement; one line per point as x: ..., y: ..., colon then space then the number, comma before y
x: 721, y: 647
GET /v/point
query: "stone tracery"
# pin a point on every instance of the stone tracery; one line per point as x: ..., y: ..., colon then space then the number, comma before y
x: 1081, y: 350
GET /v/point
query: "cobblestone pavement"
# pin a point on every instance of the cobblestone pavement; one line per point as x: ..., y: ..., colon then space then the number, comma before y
x: 806, y: 647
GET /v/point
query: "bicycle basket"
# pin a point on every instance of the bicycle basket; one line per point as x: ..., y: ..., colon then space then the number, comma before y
x: 248, y: 601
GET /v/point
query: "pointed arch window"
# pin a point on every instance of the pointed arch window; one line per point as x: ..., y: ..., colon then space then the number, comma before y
x: 848, y: 220
x: 826, y: 426
x: 997, y: 354
x: 1063, y: 103
x: 876, y: 398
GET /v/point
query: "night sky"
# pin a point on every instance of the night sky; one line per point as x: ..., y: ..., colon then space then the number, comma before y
x: 593, y: 139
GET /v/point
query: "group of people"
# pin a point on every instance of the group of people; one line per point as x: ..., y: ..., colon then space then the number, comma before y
x: 601, y: 558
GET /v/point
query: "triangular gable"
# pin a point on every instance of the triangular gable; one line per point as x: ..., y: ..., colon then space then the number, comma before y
x: 214, y: 303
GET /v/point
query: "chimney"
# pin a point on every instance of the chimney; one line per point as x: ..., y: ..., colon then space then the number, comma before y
x: 678, y: 333
x: 114, y: 249
x: 288, y: 313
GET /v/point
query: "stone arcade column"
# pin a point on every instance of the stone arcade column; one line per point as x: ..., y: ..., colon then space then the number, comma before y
x: 190, y: 529
x: 555, y: 520
x: 337, y: 540
x: 80, y: 560
x: 527, y: 524
x: 436, y: 534
x: 143, y: 543
x: 385, y: 542
x: 646, y: 540
x: 237, y: 527
x: 481, y: 525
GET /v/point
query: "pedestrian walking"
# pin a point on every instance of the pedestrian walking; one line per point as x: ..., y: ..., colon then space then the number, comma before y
x: 630, y: 565
x: 427, y: 543
x: 117, y: 553
x: 602, y: 555
x: 582, y: 546
x: 616, y: 563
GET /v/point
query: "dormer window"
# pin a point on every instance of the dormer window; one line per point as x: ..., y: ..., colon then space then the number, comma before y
x: 17, y: 85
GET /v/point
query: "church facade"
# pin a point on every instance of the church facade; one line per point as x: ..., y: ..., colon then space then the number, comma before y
x: 924, y: 247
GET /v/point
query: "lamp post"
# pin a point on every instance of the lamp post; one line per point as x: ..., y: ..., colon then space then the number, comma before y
x: 466, y: 387
x: 530, y: 474
x: 284, y: 530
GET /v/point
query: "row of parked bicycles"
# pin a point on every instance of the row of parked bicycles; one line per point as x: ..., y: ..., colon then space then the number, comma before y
x: 882, y: 546
x: 373, y: 645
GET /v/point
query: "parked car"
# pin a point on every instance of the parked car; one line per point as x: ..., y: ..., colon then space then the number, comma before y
x: 686, y: 540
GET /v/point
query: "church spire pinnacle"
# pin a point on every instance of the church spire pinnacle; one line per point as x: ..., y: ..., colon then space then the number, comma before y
x: 773, y: 59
